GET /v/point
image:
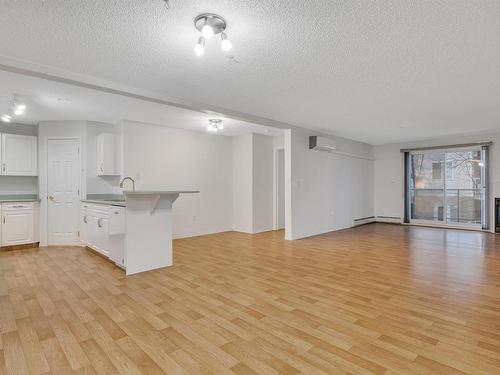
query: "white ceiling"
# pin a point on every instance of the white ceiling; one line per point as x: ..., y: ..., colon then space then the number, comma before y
x: 376, y: 71
x: 53, y: 101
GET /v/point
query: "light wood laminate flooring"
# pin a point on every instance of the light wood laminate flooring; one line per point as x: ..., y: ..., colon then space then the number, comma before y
x: 378, y: 299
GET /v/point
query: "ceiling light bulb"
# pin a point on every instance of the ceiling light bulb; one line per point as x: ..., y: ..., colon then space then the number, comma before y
x: 220, y: 126
x: 6, y: 118
x: 207, y: 31
x: 199, y: 48
x: 226, y: 44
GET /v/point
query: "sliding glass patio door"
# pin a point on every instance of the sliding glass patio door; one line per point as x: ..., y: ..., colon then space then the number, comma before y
x: 447, y: 187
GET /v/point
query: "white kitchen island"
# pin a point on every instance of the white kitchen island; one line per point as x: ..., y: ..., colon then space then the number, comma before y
x: 148, y: 234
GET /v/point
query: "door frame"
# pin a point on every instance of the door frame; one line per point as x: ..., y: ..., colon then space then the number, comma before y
x: 276, y: 151
x: 44, y: 199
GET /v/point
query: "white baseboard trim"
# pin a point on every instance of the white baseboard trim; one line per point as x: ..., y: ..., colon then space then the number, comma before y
x: 363, y: 221
x: 389, y: 219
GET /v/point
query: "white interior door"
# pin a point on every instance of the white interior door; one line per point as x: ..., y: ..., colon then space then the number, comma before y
x: 63, y: 187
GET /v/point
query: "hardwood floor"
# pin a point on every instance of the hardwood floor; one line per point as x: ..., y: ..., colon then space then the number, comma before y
x: 378, y: 299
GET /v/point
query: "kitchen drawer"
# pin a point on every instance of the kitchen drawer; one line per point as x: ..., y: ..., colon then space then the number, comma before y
x: 16, y: 206
x: 98, y: 210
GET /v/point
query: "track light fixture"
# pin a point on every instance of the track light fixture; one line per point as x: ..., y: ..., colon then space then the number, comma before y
x: 208, y: 25
x: 16, y: 108
x: 214, y: 125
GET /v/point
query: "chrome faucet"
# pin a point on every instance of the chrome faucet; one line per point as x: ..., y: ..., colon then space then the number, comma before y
x: 127, y: 178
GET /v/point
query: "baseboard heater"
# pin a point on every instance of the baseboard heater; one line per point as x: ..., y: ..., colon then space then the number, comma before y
x: 389, y: 219
x: 363, y: 220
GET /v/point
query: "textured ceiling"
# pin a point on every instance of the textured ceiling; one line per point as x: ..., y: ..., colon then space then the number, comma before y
x: 376, y: 71
x: 54, y: 101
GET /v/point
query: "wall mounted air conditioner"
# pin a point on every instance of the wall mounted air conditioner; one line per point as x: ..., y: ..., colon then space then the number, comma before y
x: 321, y: 143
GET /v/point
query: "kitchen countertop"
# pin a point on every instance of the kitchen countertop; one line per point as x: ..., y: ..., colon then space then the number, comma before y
x: 123, y: 203
x: 106, y: 202
x: 20, y: 200
x: 159, y: 192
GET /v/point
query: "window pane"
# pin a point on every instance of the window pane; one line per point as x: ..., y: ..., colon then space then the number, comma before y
x: 427, y: 204
x: 465, y: 167
x: 427, y: 171
x: 463, y: 206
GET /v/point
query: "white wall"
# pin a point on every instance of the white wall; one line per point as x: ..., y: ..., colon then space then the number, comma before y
x: 242, y: 154
x: 388, y: 181
x: 18, y: 185
x: 175, y: 159
x: 325, y: 191
x: 99, y: 184
x: 253, y: 183
x: 279, y: 178
x: 22, y: 129
x: 263, y: 183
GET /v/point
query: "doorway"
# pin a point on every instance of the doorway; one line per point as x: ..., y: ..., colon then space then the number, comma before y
x: 448, y: 187
x: 63, y: 190
x: 279, y: 188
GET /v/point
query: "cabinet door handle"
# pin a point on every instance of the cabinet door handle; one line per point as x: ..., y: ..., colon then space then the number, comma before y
x: 4, y: 219
x: 3, y: 167
x: 99, y: 223
x: 85, y: 219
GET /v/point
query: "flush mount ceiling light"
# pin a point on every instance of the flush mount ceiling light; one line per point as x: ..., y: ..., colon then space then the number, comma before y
x: 17, y: 108
x: 208, y: 25
x: 214, y: 125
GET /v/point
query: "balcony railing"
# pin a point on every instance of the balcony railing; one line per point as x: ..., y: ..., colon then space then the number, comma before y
x: 462, y: 205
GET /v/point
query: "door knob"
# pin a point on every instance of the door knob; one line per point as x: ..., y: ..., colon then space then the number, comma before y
x: 51, y: 198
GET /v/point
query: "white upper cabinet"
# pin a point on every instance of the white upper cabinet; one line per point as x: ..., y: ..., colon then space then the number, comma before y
x: 19, y: 155
x: 107, y: 155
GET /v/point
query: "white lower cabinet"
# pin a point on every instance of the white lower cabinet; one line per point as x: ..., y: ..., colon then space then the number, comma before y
x: 18, y: 223
x: 98, y: 225
x: 116, y: 239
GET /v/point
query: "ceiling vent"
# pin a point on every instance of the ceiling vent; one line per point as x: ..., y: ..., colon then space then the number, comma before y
x: 321, y: 143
